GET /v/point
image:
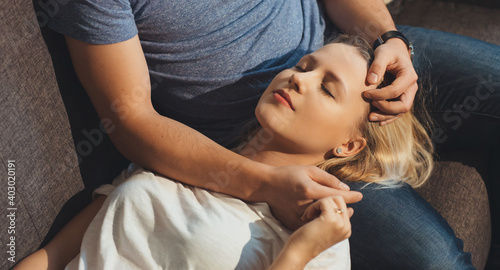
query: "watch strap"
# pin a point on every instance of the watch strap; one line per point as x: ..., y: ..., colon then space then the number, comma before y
x: 393, y: 34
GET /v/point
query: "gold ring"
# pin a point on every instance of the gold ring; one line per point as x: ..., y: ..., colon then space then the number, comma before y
x: 339, y: 210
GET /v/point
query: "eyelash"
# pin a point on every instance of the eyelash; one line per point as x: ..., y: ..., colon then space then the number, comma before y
x: 326, y: 92
x: 322, y: 88
x: 299, y: 69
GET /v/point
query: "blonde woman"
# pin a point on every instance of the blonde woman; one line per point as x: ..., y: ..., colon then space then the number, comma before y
x: 312, y: 114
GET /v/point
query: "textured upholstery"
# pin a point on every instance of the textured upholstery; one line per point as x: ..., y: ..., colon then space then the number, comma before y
x: 459, y: 194
x: 34, y: 131
x: 481, y: 22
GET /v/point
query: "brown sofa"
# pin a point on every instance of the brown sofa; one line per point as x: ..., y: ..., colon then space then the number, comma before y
x: 61, y: 153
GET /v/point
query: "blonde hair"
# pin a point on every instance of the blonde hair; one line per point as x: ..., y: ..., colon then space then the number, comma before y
x: 398, y: 152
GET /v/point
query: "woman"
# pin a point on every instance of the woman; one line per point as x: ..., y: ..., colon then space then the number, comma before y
x: 312, y: 114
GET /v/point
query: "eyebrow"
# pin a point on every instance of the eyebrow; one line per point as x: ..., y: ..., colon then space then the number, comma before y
x: 329, y: 73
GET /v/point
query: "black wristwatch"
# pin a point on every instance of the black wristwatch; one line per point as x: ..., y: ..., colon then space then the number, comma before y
x: 393, y: 34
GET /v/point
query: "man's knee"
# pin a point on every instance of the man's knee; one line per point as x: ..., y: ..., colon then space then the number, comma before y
x: 445, y: 253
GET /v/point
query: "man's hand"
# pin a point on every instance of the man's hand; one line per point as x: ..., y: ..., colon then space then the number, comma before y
x: 291, y: 189
x: 370, y: 19
x: 397, y: 98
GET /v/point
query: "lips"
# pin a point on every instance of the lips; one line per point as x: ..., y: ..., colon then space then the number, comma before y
x: 284, y: 98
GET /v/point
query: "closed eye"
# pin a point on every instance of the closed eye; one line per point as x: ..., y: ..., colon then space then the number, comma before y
x: 325, y: 91
x: 299, y: 69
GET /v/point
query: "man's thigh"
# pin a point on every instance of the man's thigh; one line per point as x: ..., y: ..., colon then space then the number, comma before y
x: 461, y: 79
x: 395, y: 228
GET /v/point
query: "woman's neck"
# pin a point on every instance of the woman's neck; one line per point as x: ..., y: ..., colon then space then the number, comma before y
x: 263, y: 147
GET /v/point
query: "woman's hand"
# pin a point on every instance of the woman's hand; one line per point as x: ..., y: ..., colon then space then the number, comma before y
x: 291, y: 189
x: 328, y: 226
x: 36, y: 261
x: 397, y: 98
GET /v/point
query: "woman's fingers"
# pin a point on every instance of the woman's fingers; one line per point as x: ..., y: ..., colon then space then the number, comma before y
x: 322, y: 206
x: 328, y: 207
x: 312, y: 211
x: 340, y: 203
x: 350, y: 211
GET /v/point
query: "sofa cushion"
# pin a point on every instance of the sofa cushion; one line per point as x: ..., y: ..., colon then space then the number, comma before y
x: 34, y: 131
x: 465, y: 19
x: 458, y: 193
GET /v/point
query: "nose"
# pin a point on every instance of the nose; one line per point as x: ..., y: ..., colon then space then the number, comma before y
x: 297, y: 82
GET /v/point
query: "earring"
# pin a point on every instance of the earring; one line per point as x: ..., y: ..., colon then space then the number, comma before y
x: 338, y: 150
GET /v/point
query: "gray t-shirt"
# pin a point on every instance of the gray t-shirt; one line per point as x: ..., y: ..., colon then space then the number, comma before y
x: 209, y: 60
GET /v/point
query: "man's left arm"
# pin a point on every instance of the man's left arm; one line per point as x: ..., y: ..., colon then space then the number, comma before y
x: 371, y: 19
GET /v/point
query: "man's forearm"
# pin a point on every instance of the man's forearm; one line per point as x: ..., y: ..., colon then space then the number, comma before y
x: 172, y: 149
x: 369, y: 18
x: 116, y: 78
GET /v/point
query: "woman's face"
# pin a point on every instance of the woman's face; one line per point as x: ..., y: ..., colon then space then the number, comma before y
x: 317, y: 105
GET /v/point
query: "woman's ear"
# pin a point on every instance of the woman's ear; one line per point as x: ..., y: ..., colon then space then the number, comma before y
x: 350, y: 148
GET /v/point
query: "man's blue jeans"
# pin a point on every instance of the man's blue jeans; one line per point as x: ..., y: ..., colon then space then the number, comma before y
x: 396, y: 228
